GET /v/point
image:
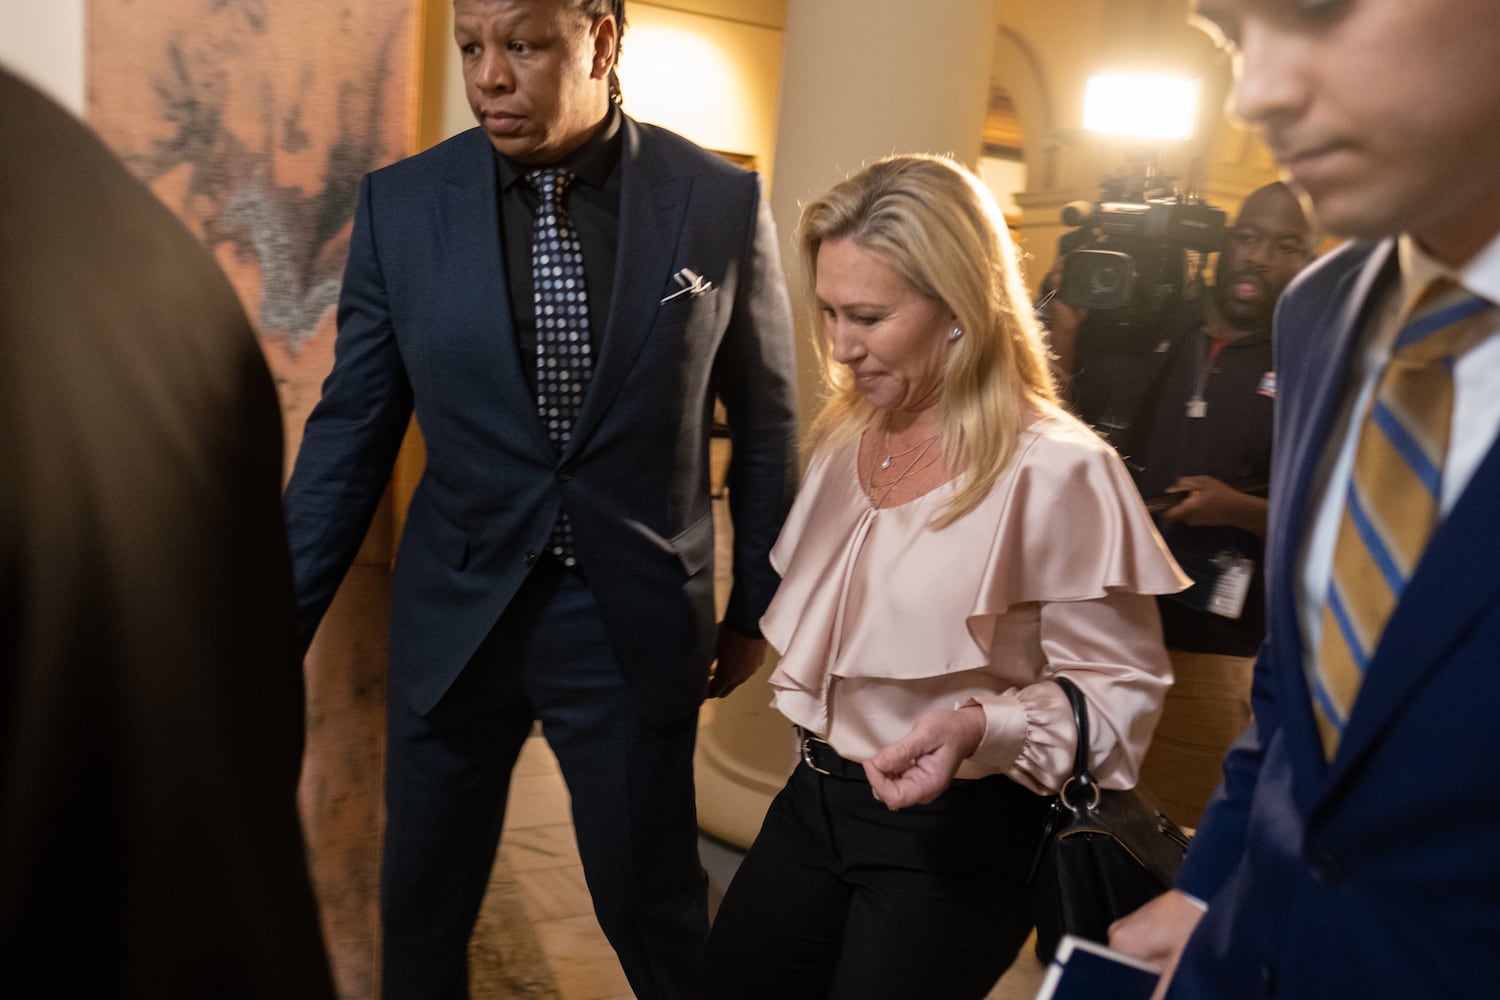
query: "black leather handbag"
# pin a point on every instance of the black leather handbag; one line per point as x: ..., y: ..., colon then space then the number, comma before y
x: 1103, y: 853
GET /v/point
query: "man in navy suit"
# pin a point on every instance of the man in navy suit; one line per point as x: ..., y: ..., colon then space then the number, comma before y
x: 605, y: 635
x: 1364, y: 866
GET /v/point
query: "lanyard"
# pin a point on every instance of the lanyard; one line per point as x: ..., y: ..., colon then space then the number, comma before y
x: 1197, y: 405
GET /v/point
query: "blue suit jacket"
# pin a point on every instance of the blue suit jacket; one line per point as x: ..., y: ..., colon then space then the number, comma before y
x: 425, y: 325
x: 1378, y: 874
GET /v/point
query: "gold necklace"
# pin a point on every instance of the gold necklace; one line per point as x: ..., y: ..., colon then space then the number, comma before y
x: 890, y: 457
x: 886, y: 488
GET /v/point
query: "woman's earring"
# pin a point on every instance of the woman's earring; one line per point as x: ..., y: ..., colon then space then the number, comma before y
x: 955, y: 333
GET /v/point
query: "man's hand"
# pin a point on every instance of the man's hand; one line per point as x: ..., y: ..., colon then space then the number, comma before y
x: 1157, y: 933
x: 1211, y: 502
x: 920, y: 766
x: 739, y: 657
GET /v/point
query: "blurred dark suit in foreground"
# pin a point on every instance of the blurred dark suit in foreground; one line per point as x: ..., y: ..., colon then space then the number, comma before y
x: 150, y: 696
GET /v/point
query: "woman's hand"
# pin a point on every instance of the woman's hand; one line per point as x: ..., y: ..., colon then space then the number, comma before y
x: 920, y: 766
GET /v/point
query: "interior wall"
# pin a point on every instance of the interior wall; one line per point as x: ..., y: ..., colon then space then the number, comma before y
x: 43, y: 43
x: 714, y: 80
x: 736, y: 46
x: 1044, y: 53
x: 1004, y: 177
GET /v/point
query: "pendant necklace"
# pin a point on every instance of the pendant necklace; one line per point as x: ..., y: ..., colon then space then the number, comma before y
x: 890, y: 456
x: 884, y: 489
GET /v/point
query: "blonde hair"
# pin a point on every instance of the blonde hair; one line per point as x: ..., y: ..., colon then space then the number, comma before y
x: 936, y: 225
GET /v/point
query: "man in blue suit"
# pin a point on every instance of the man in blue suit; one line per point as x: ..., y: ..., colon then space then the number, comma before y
x: 1350, y: 850
x: 567, y: 579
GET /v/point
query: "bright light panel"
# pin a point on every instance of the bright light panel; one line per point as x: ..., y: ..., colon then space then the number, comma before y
x: 1141, y: 106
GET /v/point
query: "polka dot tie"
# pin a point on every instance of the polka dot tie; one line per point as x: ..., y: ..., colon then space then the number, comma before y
x: 563, y: 360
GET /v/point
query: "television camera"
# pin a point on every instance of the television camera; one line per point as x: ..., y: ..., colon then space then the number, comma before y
x: 1136, y: 253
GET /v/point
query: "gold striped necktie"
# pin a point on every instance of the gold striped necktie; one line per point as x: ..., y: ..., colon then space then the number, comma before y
x: 1393, y: 502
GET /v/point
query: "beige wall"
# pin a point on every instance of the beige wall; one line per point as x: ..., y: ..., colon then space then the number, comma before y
x: 733, y: 45
x: 42, y: 41
x: 716, y: 81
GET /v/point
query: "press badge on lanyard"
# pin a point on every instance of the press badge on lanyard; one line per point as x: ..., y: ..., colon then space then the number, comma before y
x: 1197, y: 405
x: 1232, y: 586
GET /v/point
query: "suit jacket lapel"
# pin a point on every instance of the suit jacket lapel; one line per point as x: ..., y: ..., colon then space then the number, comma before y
x: 1351, y: 304
x: 469, y: 235
x: 653, y: 204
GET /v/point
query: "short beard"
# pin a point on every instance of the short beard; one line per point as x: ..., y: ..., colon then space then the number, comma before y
x: 1247, y: 318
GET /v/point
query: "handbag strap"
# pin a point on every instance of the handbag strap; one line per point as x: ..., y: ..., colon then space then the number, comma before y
x: 1083, y: 778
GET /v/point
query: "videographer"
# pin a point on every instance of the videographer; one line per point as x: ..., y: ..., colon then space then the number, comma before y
x: 1125, y: 287
x: 1199, y: 447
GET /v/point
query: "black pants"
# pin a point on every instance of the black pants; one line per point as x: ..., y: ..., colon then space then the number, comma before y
x: 840, y: 898
x: 630, y: 782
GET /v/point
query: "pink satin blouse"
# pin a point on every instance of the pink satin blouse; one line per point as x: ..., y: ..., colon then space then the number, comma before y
x: 880, y: 618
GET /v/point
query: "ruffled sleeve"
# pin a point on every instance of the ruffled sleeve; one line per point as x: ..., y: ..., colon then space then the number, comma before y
x: 1062, y: 523
x: 1072, y: 527
x: 796, y: 526
x: 1077, y: 562
x: 1110, y: 646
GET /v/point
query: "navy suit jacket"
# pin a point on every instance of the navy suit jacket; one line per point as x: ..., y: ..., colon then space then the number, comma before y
x: 1378, y: 874
x: 425, y: 326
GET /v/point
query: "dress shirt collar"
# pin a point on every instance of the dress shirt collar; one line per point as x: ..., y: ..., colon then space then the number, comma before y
x: 592, y: 162
x: 1480, y: 275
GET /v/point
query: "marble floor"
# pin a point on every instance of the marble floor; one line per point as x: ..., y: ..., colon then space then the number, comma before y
x: 537, y: 938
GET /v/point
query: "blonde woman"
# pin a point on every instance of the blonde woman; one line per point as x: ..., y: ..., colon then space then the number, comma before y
x: 958, y: 541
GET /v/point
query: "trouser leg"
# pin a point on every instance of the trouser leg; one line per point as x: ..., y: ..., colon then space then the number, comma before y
x: 940, y: 905
x: 631, y: 785
x: 842, y: 898
x: 779, y: 927
x: 447, y: 777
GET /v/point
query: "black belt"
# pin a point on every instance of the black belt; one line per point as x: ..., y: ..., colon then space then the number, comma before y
x: 825, y: 760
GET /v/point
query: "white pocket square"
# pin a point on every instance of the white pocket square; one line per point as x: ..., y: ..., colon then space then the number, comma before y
x: 689, y: 282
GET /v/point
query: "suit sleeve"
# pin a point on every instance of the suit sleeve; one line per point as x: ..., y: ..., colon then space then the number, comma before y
x: 353, y: 434
x: 755, y: 377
